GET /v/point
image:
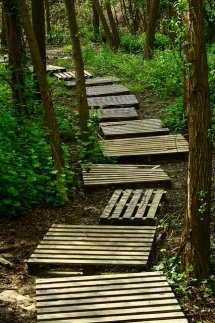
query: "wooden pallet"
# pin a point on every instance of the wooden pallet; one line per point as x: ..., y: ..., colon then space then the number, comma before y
x: 137, y: 128
x: 106, y: 90
x: 146, y: 146
x: 113, y: 101
x: 95, y: 81
x: 113, y: 174
x: 135, y: 297
x: 93, y: 245
x: 51, y: 68
x: 66, y: 76
x: 116, y: 114
x: 134, y: 207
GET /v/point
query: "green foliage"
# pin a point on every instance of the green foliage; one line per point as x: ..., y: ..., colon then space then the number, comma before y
x: 172, y: 116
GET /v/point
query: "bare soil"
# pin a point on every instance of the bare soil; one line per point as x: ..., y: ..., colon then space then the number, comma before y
x: 27, y: 231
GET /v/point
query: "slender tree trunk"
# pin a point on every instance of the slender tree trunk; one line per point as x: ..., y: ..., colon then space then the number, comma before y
x: 3, y: 32
x: 196, y: 231
x: 38, y: 19
x: 113, y: 25
x: 95, y: 22
x: 48, y: 23
x: 104, y: 24
x: 150, y: 31
x: 13, y: 35
x: 79, y: 69
x: 40, y: 71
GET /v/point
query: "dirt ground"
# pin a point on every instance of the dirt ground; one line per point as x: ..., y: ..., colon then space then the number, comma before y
x: 26, y: 232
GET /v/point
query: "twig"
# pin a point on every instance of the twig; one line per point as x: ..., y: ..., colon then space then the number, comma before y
x: 6, y: 79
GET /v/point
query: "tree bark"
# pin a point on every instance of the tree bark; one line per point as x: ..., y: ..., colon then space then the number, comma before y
x: 113, y: 25
x: 79, y: 70
x: 40, y: 71
x: 3, y: 32
x: 196, y: 230
x: 38, y: 20
x: 150, y: 31
x: 95, y: 23
x: 48, y: 23
x: 13, y: 36
x: 104, y: 24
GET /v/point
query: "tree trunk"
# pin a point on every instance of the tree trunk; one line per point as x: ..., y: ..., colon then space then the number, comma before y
x: 196, y: 230
x: 95, y: 23
x: 104, y: 24
x: 13, y: 35
x: 79, y: 69
x: 38, y: 20
x: 40, y: 71
x: 48, y: 23
x: 113, y: 25
x: 3, y: 32
x: 150, y: 31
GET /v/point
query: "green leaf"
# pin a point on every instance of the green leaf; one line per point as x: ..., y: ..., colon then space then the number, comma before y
x: 18, y: 86
x: 54, y: 171
x: 16, y: 203
x: 27, y: 94
x: 6, y: 201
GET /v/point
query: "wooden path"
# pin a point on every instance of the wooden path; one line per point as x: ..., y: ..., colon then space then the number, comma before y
x: 137, y: 128
x: 106, y: 90
x: 134, y: 207
x: 114, y: 101
x: 66, y: 76
x: 95, y: 81
x: 93, y: 245
x: 117, y: 114
x: 146, y: 146
x: 124, y: 175
x: 137, y: 297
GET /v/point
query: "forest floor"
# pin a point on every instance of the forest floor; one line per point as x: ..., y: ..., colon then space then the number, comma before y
x: 17, y: 288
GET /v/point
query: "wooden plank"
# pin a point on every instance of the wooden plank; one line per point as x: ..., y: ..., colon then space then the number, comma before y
x: 68, y: 76
x: 111, y: 174
x: 142, y: 207
x: 134, y: 297
x: 113, y: 101
x: 106, y: 90
x: 134, y: 128
x: 52, y: 69
x: 115, y: 114
x: 146, y: 146
x: 95, y: 81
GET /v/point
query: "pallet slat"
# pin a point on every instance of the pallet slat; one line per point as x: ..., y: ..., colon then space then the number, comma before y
x: 140, y: 207
x: 104, y: 236
x: 113, y: 101
x: 106, y: 90
x: 145, y: 146
x: 110, y: 298
x: 136, y: 128
x: 117, y: 174
x: 67, y: 76
x: 118, y: 114
x: 95, y: 81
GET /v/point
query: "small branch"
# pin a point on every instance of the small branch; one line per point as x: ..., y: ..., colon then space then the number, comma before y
x: 6, y: 79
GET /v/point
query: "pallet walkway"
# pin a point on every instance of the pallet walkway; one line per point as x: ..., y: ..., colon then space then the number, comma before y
x: 88, y: 246
x: 52, y: 68
x: 95, y: 81
x: 113, y: 101
x: 134, y: 297
x: 123, y: 175
x: 137, y: 128
x: 106, y: 90
x: 145, y: 146
x: 133, y: 207
x: 118, y: 114
x: 67, y: 76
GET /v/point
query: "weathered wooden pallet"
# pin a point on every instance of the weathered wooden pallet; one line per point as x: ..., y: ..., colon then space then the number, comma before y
x: 95, y: 81
x: 137, y: 128
x: 134, y: 207
x: 66, y: 76
x: 52, y: 68
x: 145, y: 146
x: 118, y: 174
x: 116, y: 114
x: 132, y: 297
x: 113, y: 101
x: 93, y: 245
x: 106, y: 90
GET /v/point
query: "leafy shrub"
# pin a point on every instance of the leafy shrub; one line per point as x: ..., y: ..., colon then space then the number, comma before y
x: 26, y: 166
x: 172, y: 116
